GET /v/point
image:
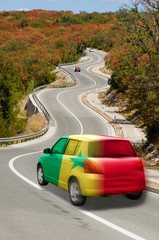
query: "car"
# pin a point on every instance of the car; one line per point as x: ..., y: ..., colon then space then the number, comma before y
x: 91, y: 50
x: 77, y: 69
x: 92, y: 165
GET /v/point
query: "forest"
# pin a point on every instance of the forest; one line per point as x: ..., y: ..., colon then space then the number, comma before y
x: 33, y: 43
x: 134, y: 61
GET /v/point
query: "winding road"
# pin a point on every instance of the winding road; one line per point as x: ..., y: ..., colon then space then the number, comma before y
x: 28, y: 211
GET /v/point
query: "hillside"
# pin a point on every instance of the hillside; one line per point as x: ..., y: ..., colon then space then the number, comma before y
x: 33, y: 43
x: 134, y: 61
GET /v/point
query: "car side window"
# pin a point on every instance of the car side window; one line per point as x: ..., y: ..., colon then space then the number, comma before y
x: 60, y: 146
x: 72, y: 147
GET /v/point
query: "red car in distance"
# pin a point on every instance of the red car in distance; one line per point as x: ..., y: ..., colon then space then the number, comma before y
x: 77, y: 69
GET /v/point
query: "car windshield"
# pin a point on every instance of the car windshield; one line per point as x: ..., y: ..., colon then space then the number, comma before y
x: 110, y: 148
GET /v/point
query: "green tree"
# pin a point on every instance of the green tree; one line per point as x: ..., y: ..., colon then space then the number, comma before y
x: 24, y: 22
x: 10, y: 94
x: 140, y: 30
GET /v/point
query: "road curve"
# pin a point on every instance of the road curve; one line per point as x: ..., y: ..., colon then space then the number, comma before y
x: 30, y: 212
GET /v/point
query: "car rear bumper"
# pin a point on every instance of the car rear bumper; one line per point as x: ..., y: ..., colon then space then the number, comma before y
x: 97, y: 185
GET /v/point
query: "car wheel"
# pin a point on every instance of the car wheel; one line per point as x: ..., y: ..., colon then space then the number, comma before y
x: 75, y: 195
x: 40, y: 176
x: 134, y: 196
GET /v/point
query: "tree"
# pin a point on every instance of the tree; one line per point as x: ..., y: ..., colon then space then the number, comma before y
x: 140, y: 31
x: 33, y: 43
x: 10, y: 94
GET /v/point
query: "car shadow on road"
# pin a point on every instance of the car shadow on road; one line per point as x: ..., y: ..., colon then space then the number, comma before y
x: 112, y: 202
x: 100, y: 203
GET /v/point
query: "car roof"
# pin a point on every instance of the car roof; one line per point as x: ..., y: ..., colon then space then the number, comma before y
x: 93, y: 137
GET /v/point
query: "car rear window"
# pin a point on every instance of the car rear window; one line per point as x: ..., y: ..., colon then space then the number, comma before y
x: 72, y: 147
x: 110, y: 148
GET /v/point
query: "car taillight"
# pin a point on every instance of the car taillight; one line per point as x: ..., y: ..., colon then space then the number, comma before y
x: 89, y: 167
x: 140, y: 165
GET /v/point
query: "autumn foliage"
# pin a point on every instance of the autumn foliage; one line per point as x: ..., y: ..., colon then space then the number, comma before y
x: 33, y: 43
x: 135, y: 62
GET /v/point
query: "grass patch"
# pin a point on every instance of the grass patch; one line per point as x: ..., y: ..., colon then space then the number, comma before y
x: 35, y: 124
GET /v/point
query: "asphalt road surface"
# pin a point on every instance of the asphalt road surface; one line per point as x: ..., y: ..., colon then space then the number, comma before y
x: 28, y: 211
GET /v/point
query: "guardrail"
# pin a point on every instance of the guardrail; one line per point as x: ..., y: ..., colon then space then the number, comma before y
x: 24, y: 138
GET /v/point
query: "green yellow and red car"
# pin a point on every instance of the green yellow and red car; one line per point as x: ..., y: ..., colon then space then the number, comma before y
x: 92, y: 165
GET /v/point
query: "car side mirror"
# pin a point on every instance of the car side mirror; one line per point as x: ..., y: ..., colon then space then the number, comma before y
x: 47, y: 151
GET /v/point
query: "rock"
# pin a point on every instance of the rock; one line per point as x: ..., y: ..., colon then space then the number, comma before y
x: 155, y: 154
x: 149, y: 148
x: 156, y: 160
x: 30, y: 108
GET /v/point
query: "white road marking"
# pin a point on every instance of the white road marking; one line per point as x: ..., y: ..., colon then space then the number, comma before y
x: 19, y: 174
x: 87, y: 213
x: 90, y: 79
x: 99, y: 58
x: 81, y: 132
x: 93, y: 85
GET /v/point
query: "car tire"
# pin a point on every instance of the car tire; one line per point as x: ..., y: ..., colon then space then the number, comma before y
x: 134, y: 196
x: 40, y: 176
x: 75, y: 195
